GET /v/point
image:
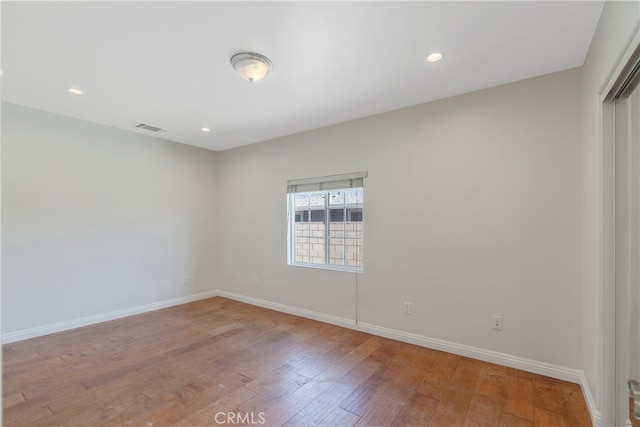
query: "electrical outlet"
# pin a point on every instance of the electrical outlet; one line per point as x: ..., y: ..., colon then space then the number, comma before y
x: 407, y: 308
x: 497, y: 323
x: 256, y: 280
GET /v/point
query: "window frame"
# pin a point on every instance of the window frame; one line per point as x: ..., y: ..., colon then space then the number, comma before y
x: 327, y: 208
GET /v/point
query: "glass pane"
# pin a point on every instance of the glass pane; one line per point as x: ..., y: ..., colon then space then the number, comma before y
x: 336, y: 198
x: 317, y: 245
x: 358, y: 226
x: 301, y: 249
x: 354, y: 214
x: 353, y: 197
x: 353, y: 252
x: 353, y: 230
x: 336, y: 215
x: 336, y: 251
x: 316, y: 200
x: 336, y: 229
x: 301, y: 229
x: 317, y: 216
x: 301, y: 201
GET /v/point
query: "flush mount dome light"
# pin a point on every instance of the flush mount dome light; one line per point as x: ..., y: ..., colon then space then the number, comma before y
x: 251, y: 66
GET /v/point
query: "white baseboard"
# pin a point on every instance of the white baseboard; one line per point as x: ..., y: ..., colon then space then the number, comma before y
x: 596, y: 416
x: 307, y: 314
x: 524, y: 364
x: 90, y: 320
x: 542, y: 368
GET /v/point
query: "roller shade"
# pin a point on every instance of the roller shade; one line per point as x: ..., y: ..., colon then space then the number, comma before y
x: 333, y: 182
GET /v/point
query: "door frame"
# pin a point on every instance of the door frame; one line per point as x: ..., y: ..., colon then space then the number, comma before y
x: 607, y: 230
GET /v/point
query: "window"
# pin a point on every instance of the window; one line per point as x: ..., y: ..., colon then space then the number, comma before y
x: 326, y: 222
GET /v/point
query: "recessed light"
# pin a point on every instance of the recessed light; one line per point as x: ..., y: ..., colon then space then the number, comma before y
x: 205, y: 129
x: 434, y: 57
x: 75, y: 91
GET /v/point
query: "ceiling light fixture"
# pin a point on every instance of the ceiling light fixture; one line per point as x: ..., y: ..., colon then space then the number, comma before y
x: 205, y: 129
x: 251, y: 66
x: 75, y: 91
x: 434, y: 57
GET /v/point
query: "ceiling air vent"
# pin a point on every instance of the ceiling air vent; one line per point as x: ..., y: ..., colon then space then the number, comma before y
x: 149, y: 128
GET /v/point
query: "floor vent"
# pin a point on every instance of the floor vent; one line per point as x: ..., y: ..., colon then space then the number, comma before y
x: 149, y: 127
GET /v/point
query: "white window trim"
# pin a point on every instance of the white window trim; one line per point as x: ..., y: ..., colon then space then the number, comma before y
x: 321, y: 184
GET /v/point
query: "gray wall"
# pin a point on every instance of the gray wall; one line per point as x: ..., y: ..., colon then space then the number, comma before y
x: 472, y: 208
x: 96, y: 219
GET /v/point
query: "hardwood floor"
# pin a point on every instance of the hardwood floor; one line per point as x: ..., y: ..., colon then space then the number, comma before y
x: 221, y: 362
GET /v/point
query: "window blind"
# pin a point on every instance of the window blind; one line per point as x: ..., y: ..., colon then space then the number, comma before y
x: 333, y: 182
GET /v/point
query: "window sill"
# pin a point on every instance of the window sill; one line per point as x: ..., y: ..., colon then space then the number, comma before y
x: 343, y: 268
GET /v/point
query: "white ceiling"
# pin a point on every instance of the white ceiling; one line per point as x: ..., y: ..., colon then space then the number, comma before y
x: 167, y: 63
